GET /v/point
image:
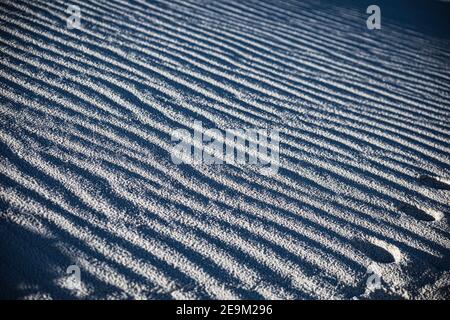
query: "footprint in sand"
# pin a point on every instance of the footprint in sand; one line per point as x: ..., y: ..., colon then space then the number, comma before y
x: 420, y: 214
x: 435, y: 182
x: 379, y: 251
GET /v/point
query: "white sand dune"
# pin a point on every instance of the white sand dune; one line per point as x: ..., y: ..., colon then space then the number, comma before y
x: 86, y: 176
